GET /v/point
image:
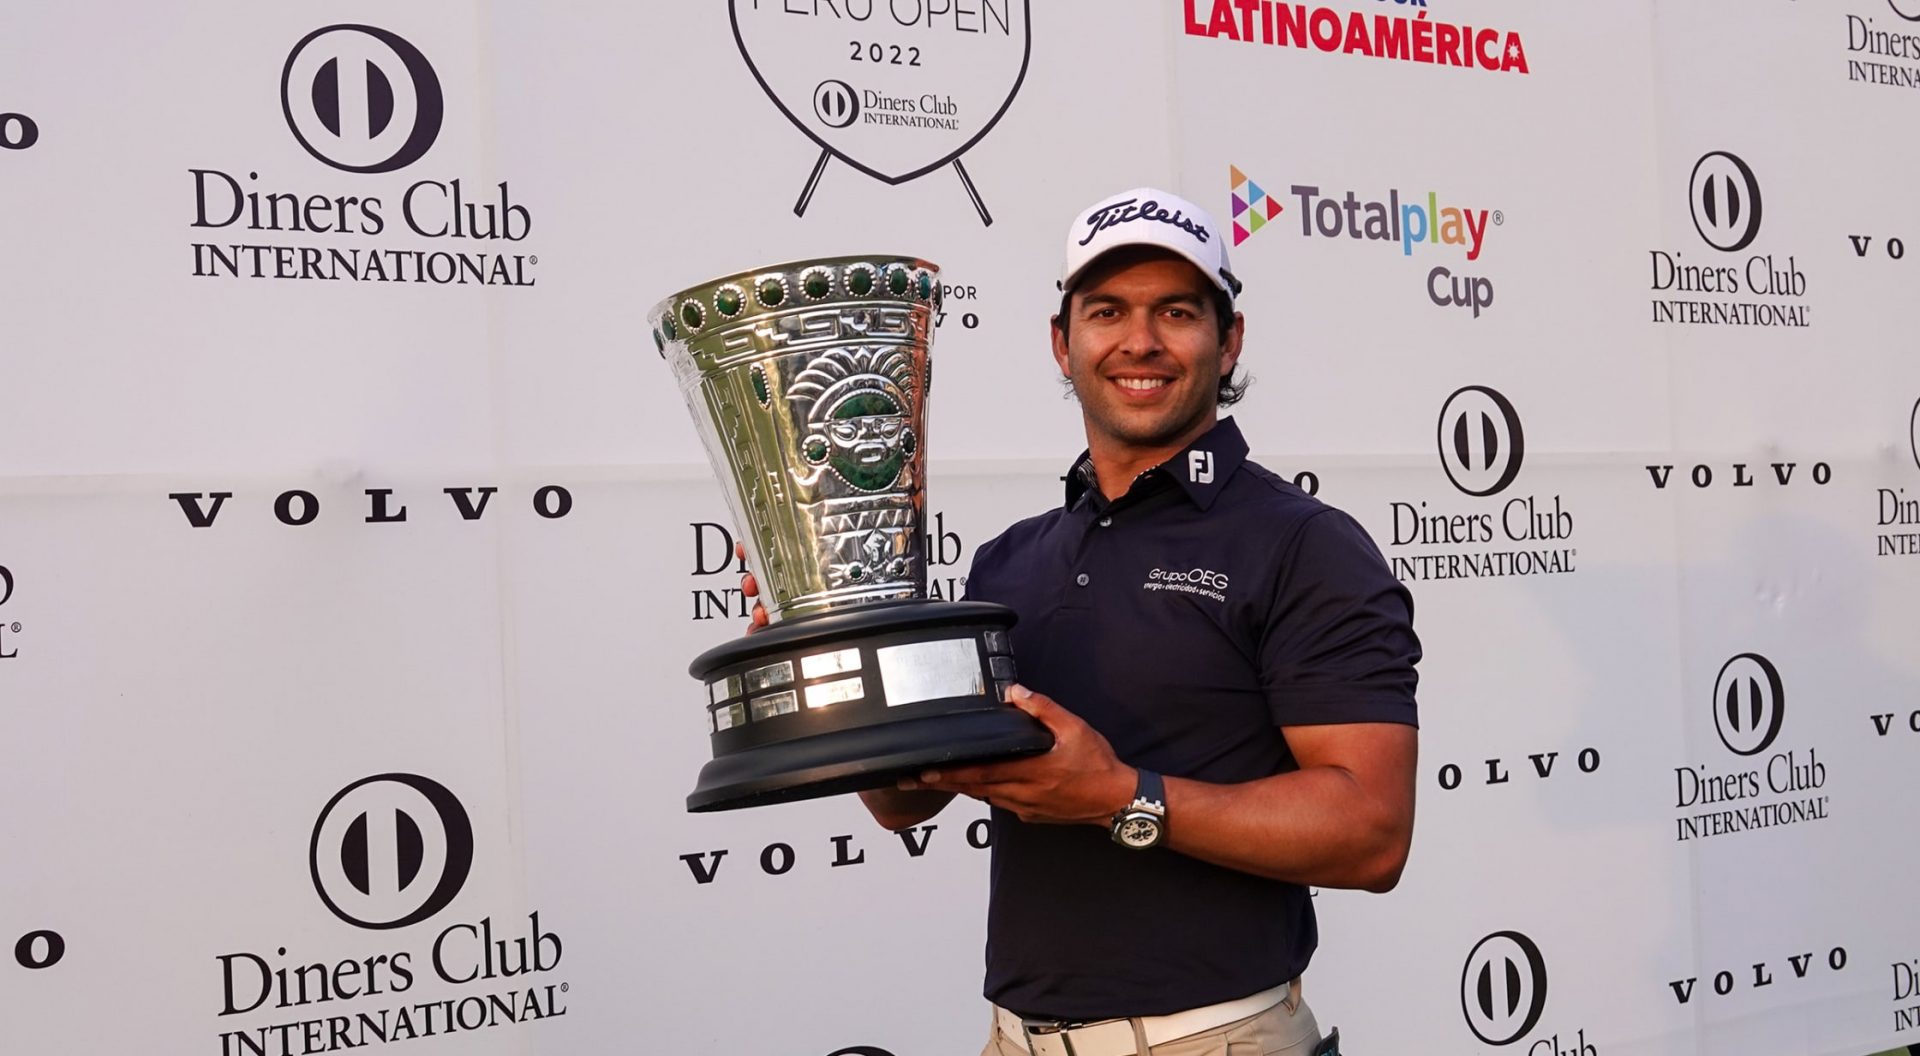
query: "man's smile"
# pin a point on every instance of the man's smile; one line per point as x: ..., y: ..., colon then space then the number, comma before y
x: 1137, y: 386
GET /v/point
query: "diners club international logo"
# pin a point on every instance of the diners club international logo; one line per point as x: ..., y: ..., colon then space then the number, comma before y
x: 1725, y: 200
x: 361, y: 99
x: 716, y: 593
x: 893, y: 90
x: 1749, y: 789
x: 365, y: 103
x: 1728, y: 284
x: 1897, y: 513
x: 1906, y: 998
x: 1749, y: 704
x: 1482, y: 448
x: 1503, y: 987
x: 1503, y: 995
x: 389, y: 852
x: 1882, y: 51
x: 1482, y: 443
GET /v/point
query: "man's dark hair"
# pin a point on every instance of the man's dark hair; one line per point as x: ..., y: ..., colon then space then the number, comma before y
x: 1233, y: 386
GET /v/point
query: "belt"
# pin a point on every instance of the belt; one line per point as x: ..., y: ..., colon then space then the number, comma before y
x: 1114, y: 1037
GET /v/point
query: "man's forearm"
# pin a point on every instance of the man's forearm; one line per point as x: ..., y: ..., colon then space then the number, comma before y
x: 1317, y: 826
x: 1344, y: 818
x: 897, y: 809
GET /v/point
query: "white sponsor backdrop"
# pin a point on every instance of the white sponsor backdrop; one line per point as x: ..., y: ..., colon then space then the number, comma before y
x: 214, y: 618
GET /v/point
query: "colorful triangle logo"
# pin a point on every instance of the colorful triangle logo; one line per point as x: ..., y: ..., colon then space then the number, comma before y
x: 1253, y: 207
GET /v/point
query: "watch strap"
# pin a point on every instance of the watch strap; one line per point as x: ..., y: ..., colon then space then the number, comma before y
x: 1150, y: 793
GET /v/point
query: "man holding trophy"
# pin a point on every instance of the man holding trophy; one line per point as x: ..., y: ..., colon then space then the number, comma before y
x: 1226, y: 669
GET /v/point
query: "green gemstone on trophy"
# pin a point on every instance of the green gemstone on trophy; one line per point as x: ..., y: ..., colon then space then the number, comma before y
x: 760, y: 385
x: 693, y: 315
x: 729, y: 301
x: 856, y: 573
x: 816, y: 450
x: 772, y: 292
x: 926, y: 286
x: 897, y: 282
x: 666, y: 327
x: 659, y: 342
x: 860, y: 280
x: 817, y: 284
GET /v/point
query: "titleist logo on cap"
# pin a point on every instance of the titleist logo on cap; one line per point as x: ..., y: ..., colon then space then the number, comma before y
x: 1127, y: 212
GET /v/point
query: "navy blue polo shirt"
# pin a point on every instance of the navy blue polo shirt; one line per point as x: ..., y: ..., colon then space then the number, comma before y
x: 1190, y: 621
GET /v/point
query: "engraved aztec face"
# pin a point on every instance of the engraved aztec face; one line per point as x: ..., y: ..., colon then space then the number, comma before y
x: 869, y: 442
x: 858, y: 422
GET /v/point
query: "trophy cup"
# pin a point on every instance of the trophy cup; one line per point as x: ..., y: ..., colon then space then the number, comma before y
x: 808, y: 383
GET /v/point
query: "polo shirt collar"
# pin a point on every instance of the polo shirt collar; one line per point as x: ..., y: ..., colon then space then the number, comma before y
x: 1201, y: 469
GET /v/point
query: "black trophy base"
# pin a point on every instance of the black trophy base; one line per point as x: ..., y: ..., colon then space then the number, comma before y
x: 846, y: 701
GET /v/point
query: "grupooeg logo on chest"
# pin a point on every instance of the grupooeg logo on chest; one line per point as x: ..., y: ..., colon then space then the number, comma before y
x: 1204, y: 582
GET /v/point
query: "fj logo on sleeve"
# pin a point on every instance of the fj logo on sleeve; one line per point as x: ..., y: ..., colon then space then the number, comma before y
x: 1200, y: 467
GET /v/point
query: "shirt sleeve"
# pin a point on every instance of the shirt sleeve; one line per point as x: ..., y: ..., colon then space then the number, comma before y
x: 1338, y: 645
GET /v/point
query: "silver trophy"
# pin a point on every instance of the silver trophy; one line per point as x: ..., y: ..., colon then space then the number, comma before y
x: 808, y: 383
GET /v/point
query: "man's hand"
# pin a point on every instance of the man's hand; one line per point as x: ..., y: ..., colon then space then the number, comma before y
x: 1080, y: 781
x: 750, y: 587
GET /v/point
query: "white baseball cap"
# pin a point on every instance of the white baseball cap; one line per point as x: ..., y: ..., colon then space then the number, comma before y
x: 1148, y: 217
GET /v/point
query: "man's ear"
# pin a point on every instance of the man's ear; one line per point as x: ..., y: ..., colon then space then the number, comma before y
x: 1230, y: 350
x: 1060, y: 346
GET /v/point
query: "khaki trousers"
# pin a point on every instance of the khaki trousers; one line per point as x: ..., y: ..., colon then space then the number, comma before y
x: 1286, y: 1029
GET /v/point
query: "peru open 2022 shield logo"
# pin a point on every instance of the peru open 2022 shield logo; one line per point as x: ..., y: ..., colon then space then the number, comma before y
x: 895, y: 90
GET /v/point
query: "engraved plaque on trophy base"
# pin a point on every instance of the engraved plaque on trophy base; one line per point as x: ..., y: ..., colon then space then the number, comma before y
x: 822, y: 705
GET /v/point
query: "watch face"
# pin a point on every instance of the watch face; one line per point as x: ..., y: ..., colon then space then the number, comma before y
x: 1139, y: 831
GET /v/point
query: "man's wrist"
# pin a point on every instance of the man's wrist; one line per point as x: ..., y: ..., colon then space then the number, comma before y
x: 1122, y: 785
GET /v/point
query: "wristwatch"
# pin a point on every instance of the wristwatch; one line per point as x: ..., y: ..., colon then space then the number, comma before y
x: 1142, y: 824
